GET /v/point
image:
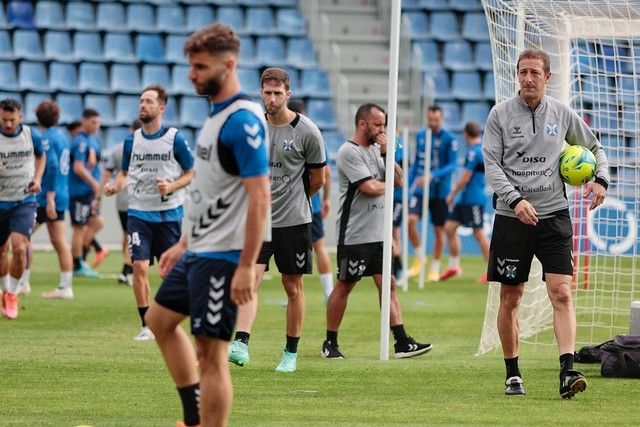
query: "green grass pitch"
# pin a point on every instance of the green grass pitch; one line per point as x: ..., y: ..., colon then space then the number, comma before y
x: 68, y: 363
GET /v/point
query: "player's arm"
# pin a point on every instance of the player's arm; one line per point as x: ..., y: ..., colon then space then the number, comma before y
x: 316, y: 179
x: 315, y: 160
x: 185, y: 159
x: 326, y: 192
x: 451, y: 164
x: 50, y: 180
x: 40, y: 163
x: 80, y: 155
x: 462, y: 183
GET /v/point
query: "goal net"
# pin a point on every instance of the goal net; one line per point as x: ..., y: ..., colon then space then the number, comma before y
x: 595, y: 65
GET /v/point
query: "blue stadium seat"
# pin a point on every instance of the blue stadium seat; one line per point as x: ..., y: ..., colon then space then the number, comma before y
x: 465, y: 5
x: 474, y: 27
x: 484, y: 57
x: 247, y: 51
x: 20, y: 14
x: 418, y: 27
x: 170, y: 18
x: 198, y: 16
x: 301, y: 53
x: 8, y: 76
x: 270, y: 51
x: 283, y: 3
x: 26, y: 44
x: 57, y: 45
x: 231, y: 16
x: 475, y: 112
x: 441, y: 84
x: 444, y: 26
x: 115, y: 135
x: 434, y: 4
x: 249, y: 80
x: 31, y: 101
x: 290, y: 22
x: 150, y: 48
x: 194, y: 110
x: 5, y: 45
x: 321, y: 112
x: 63, y: 76
x: 175, y: 48
x: 294, y: 80
x: 411, y: 5
x: 102, y: 104
x: 458, y: 56
x: 466, y: 85
x: 125, y: 78
x: 118, y: 47
x: 315, y: 83
x: 451, y: 114
x: 141, y: 17
x: 92, y: 77
x: 126, y: 109
x: 70, y: 107
x: 3, y: 19
x: 110, y: 16
x: 333, y: 139
x: 88, y: 46
x: 80, y: 15
x: 429, y: 55
x: 170, y: 116
x: 33, y: 76
x: 49, y: 15
x: 180, y: 83
x: 489, y: 86
x: 259, y: 21
x: 155, y: 74
x: 12, y: 95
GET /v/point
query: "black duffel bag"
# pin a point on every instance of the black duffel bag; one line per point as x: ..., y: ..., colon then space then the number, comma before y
x: 621, y: 357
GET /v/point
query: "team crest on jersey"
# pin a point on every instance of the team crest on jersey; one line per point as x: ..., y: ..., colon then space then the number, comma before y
x: 552, y: 129
x: 287, y: 144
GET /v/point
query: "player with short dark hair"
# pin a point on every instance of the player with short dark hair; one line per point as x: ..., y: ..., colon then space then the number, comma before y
x: 22, y: 158
x: 524, y: 137
x: 361, y: 174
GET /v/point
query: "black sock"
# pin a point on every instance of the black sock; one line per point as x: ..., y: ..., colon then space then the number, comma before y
x: 332, y: 336
x: 190, y: 396
x: 292, y: 344
x: 85, y: 253
x: 397, y: 265
x: 566, y: 363
x: 142, y: 311
x: 96, y: 245
x: 512, y: 367
x: 127, y: 269
x: 243, y: 337
x: 76, y: 264
x: 399, y: 333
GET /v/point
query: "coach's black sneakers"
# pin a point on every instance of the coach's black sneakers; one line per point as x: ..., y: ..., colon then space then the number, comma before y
x: 330, y: 350
x: 514, y: 387
x: 572, y: 383
x: 410, y: 348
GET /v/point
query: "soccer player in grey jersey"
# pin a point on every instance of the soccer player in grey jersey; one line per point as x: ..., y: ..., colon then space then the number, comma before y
x: 523, y: 139
x: 297, y: 162
x: 360, y: 226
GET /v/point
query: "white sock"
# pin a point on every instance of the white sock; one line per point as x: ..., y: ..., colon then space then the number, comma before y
x: 65, y: 279
x: 26, y: 275
x: 435, y: 265
x: 326, y: 279
x: 5, y: 282
x: 14, y: 285
x: 454, y: 261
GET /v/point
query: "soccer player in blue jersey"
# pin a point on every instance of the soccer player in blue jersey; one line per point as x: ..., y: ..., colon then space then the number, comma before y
x: 444, y: 155
x: 469, y: 208
x: 84, y: 188
x: 22, y: 163
x: 156, y: 168
x: 229, y: 220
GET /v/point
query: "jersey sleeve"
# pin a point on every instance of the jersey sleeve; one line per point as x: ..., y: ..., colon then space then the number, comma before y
x: 314, y: 149
x: 126, y: 152
x: 245, y: 135
x: 79, y: 149
x: 472, y: 160
x: 353, y: 166
x: 181, y: 152
x: 36, y: 138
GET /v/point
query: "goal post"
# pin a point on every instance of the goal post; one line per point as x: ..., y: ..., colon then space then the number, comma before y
x: 594, y: 46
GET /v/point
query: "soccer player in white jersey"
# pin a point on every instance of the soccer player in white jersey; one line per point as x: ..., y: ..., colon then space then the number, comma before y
x: 297, y: 162
x: 22, y: 163
x: 360, y: 226
x: 228, y: 221
x: 156, y: 167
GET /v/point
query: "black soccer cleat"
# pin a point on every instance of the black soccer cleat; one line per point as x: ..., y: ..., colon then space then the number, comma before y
x: 330, y: 350
x: 514, y: 387
x: 572, y: 383
x: 410, y: 348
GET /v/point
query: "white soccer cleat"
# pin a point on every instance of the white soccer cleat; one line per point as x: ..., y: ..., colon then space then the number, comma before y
x: 59, y: 293
x: 145, y: 335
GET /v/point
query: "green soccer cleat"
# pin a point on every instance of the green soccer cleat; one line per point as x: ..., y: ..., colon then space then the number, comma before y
x: 238, y: 353
x: 288, y: 363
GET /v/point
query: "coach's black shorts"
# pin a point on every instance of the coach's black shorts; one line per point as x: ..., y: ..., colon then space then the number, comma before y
x: 357, y: 261
x: 201, y: 288
x: 150, y: 239
x: 468, y: 215
x: 41, y: 215
x: 291, y: 248
x: 317, y: 227
x: 438, y: 209
x: 513, y: 245
x: 124, y: 216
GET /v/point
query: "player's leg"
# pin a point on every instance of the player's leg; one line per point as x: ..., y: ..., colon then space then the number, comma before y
x: 216, y: 388
x: 508, y: 331
x: 396, y: 246
x: 323, y: 261
x: 141, y: 238
x: 80, y: 209
x: 4, y: 256
x: 451, y: 231
x: 57, y: 235
x: 96, y: 223
x: 293, y: 286
x: 483, y: 243
x: 126, y: 275
x: 438, y: 214
x: 415, y: 213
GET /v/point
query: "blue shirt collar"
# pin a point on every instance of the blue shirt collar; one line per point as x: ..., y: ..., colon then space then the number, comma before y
x: 219, y: 106
x: 158, y: 134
